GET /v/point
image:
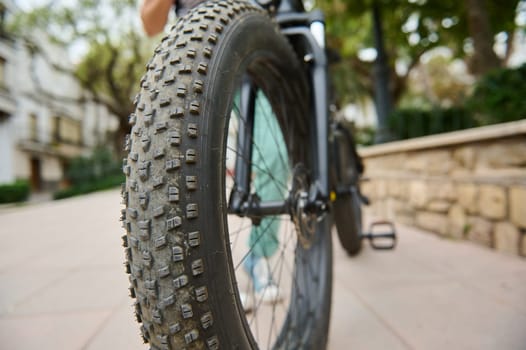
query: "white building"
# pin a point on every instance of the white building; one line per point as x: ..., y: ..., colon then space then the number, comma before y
x: 40, y: 134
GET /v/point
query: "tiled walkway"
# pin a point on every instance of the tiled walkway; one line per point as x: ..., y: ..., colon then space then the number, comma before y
x: 62, y: 286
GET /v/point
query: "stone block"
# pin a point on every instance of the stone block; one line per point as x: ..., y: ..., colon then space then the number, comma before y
x: 443, y: 191
x: 372, y: 209
x: 467, y: 197
x: 399, y: 207
x: 434, y: 222
x: 504, y: 154
x: 382, y: 210
x: 418, y: 194
x: 480, y: 231
x: 397, y: 189
x: 518, y: 205
x: 409, y: 220
x: 457, y: 221
x: 500, y: 174
x: 385, y: 162
x: 368, y: 189
x: 381, y: 188
x: 438, y: 205
x: 440, y: 163
x: 460, y: 173
x: 431, y: 162
x: 416, y: 163
x: 465, y: 157
x: 492, y: 202
x: 507, y: 238
x: 393, y: 207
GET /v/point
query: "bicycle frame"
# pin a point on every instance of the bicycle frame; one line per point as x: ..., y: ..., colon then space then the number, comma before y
x: 306, y: 32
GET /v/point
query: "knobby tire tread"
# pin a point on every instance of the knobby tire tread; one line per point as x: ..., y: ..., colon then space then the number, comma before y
x: 155, y: 174
x: 165, y: 257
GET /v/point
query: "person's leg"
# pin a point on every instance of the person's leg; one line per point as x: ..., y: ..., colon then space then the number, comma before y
x: 270, y: 171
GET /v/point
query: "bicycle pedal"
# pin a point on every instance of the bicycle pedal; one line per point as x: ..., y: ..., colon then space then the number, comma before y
x: 381, y: 235
x: 364, y: 199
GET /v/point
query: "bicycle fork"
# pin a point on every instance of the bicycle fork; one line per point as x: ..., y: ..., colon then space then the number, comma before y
x: 309, y: 28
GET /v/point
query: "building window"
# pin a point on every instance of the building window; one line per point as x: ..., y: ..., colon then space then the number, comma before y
x: 66, y: 130
x: 3, y: 63
x: 3, y: 116
x: 55, y: 129
x: 3, y: 13
x: 33, y: 127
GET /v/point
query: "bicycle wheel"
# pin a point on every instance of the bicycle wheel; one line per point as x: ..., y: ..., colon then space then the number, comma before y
x: 347, y: 208
x: 185, y: 253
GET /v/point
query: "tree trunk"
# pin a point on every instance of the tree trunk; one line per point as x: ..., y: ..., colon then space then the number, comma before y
x: 484, y: 58
x: 381, y: 78
x: 119, y: 141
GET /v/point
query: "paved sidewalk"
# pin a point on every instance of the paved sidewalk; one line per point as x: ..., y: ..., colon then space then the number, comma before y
x: 62, y: 286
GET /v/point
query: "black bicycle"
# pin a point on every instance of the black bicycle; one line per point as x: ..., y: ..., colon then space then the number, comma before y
x: 235, y: 172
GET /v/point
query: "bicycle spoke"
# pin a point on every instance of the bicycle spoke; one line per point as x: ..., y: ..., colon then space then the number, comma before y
x: 291, y: 274
x: 265, y: 168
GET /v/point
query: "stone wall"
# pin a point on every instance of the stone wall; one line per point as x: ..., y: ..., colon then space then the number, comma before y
x: 463, y: 185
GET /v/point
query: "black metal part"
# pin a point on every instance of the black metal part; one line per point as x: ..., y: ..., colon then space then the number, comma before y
x: 254, y: 208
x: 348, y: 190
x: 294, y: 25
x: 299, y: 19
x: 364, y: 199
x: 387, y: 236
x: 242, y: 170
x: 284, y: 6
x: 318, y: 68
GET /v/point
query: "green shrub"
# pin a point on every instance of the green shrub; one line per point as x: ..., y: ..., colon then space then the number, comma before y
x: 100, y: 164
x: 14, y: 192
x: 409, y: 123
x: 500, y: 96
x: 88, y: 187
x: 364, y: 136
x: 98, y: 172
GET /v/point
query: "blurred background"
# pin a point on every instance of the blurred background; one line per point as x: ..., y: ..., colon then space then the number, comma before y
x: 434, y: 92
x: 401, y: 69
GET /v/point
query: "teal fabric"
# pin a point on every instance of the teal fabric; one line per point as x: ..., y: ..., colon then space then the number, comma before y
x: 270, y: 172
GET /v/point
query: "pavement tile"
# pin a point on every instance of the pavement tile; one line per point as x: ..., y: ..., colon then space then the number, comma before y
x: 62, y: 286
x: 80, y: 253
x: 419, y: 293
x: 50, y: 331
x: 120, y: 331
x: 42, y: 231
x: 446, y: 316
x: 499, y: 276
x: 18, y: 285
x: 354, y: 326
x: 84, y: 290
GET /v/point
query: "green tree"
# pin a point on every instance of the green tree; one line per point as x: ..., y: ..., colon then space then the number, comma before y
x: 499, y: 96
x: 412, y: 28
x: 115, y: 48
x: 438, y: 81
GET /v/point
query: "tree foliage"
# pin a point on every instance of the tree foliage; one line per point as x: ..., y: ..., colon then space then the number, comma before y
x: 438, y: 81
x: 116, y: 50
x: 500, y: 96
x: 412, y: 28
x: 110, y: 36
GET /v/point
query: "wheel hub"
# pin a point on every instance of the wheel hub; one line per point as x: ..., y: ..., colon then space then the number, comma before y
x: 305, y: 220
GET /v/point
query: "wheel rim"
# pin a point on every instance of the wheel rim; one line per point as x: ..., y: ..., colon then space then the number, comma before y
x: 295, y: 266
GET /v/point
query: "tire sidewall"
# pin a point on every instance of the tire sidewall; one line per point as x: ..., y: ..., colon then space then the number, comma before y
x: 252, y: 36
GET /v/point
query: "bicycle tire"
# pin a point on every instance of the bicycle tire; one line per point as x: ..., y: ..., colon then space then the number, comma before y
x: 348, y: 220
x: 177, y: 241
x: 347, y: 208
